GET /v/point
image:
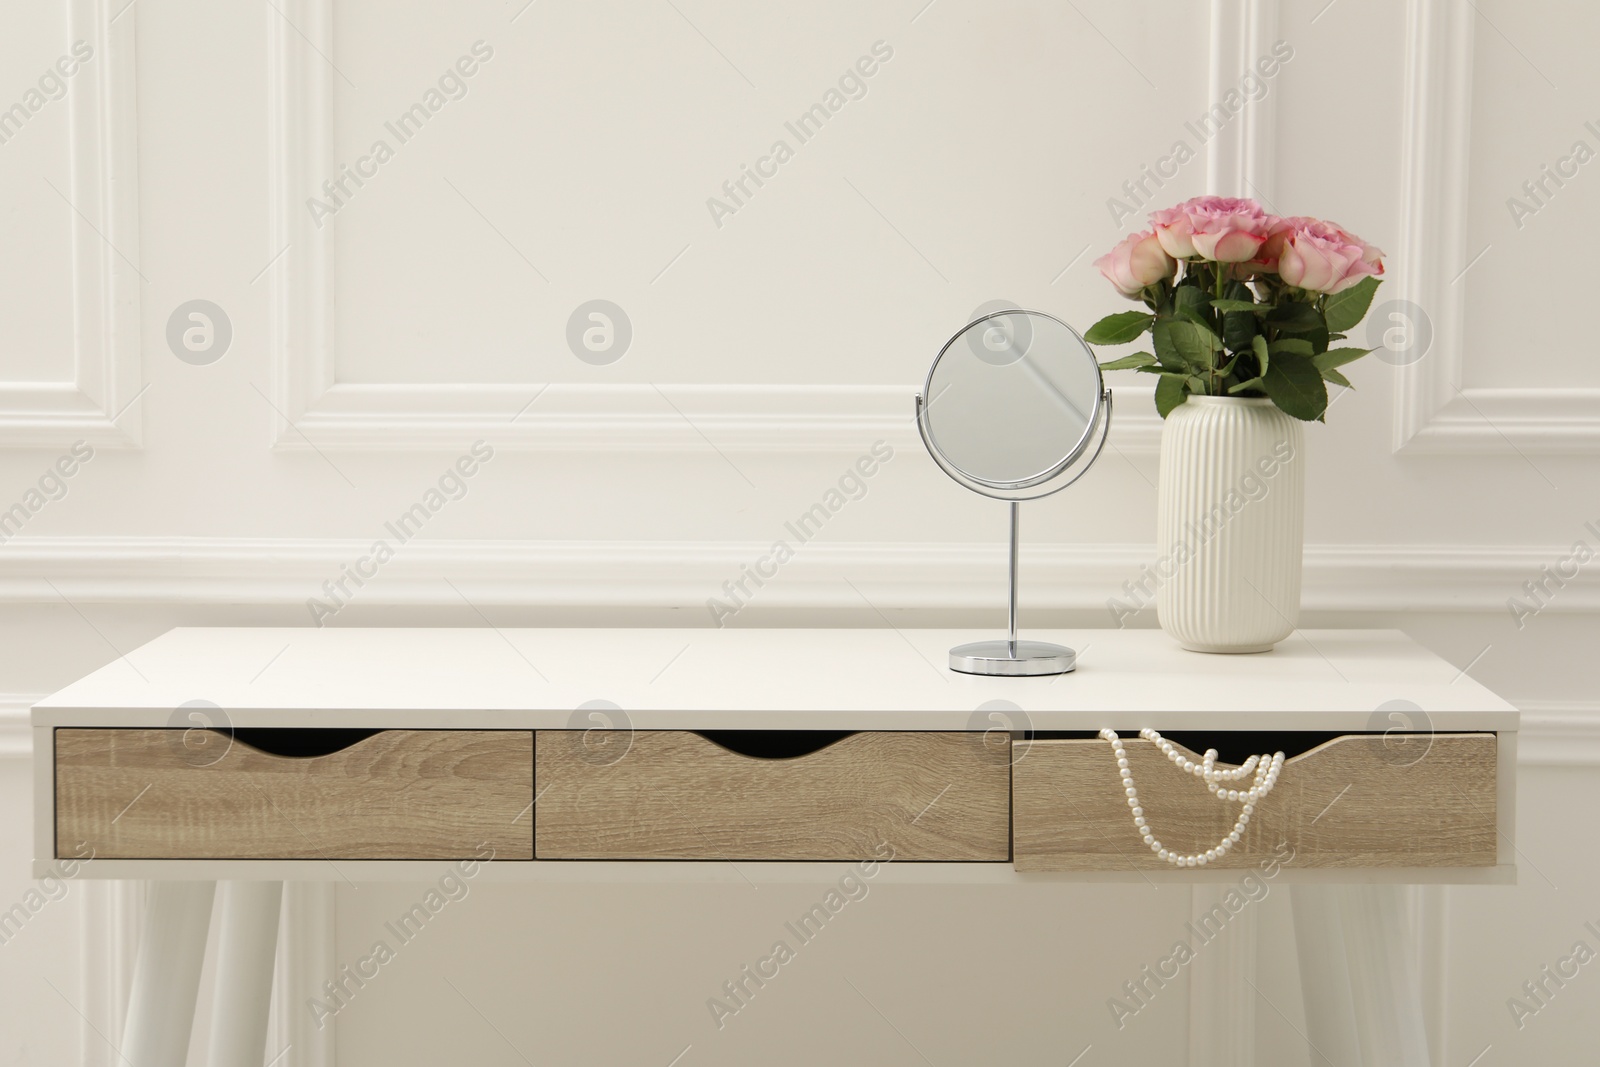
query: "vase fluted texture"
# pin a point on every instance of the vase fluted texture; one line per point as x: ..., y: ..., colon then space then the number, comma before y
x: 1230, y: 524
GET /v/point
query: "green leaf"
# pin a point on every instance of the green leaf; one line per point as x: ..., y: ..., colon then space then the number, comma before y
x: 1193, y: 305
x: 1182, y: 345
x: 1194, y: 344
x: 1253, y: 383
x: 1138, y: 359
x: 1258, y: 344
x: 1191, y: 298
x: 1238, y: 327
x: 1166, y: 351
x: 1240, y: 305
x: 1331, y: 375
x: 1170, y: 392
x: 1120, y: 328
x: 1295, y: 317
x: 1344, y: 310
x: 1293, y: 346
x: 1338, y: 357
x: 1300, y: 320
x: 1296, y: 386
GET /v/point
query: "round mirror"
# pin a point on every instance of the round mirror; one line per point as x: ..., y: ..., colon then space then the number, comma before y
x: 1011, y: 407
x: 1011, y: 402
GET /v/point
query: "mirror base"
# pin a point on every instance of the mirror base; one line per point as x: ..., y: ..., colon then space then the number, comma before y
x: 1031, y: 658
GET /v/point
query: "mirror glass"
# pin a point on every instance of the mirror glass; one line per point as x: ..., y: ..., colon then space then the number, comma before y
x: 1012, y: 398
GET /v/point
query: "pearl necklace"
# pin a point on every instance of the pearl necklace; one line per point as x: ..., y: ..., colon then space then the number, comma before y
x: 1265, y: 768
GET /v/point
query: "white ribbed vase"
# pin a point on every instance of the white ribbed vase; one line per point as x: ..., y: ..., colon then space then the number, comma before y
x: 1230, y: 524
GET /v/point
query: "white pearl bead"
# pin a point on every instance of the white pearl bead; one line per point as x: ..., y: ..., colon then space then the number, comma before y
x: 1265, y: 769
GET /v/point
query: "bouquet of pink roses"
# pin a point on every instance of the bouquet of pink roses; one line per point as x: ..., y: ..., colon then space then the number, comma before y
x: 1242, y: 303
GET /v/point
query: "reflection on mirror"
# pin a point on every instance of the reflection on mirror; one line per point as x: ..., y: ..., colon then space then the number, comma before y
x: 1014, y: 408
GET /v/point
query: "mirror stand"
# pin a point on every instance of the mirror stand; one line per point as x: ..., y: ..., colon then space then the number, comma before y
x: 1022, y: 413
x: 1011, y: 657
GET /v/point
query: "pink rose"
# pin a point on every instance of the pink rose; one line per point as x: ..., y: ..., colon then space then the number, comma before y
x: 1137, y: 261
x: 1223, y: 229
x: 1323, y: 257
x: 1272, y: 250
x: 1173, y: 230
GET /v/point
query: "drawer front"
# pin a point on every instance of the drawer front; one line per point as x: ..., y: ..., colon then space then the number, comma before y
x: 676, y: 795
x: 1347, y: 803
x: 398, y: 794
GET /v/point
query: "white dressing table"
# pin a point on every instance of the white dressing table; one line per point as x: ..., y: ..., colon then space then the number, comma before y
x: 661, y: 754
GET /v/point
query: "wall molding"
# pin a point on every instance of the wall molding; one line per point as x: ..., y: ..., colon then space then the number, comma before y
x: 313, y: 410
x: 102, y: 115
x: 1559, y: 733
x: 611, y: 574
x: 1435, y: 410
x: 569, y: 417
x: 16, y: 735
x: 1241, y: 160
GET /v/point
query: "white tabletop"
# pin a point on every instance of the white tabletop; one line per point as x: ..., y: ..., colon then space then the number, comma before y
x: 759, y: 679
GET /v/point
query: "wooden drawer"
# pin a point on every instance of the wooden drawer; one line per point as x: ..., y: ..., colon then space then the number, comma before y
x: 1350, y: 802
x: 397, y: 794
x: 676, y: 795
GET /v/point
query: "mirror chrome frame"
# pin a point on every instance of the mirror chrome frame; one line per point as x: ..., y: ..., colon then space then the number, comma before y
x: 1052, y: 478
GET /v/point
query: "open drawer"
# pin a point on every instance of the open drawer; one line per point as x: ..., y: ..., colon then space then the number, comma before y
x: 671, y: 794
x: 1353, y: 801
x: 390, y: 794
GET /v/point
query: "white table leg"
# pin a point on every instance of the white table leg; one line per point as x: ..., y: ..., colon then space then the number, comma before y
x: 246, y: 950
x: 1383, y: 975
x: 1363, y: 1002
x: 166, y: 974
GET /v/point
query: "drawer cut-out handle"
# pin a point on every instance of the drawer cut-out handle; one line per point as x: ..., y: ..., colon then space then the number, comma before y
x: 1233, y: 746
x: 292, y: 743
x: 774, y: 744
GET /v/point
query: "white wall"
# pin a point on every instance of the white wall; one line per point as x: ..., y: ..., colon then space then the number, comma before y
x: 767, y: 353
